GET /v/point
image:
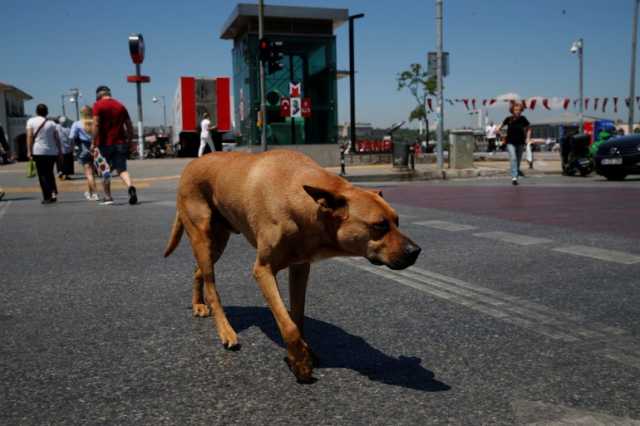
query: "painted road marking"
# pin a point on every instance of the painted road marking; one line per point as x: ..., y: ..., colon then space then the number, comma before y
x: 4, y: 208
x: 598, y: 338
x: 445, y: 226
x: 508, y: 237
x: 534, y: 413
x: 165, y: 203
x: 600, y: 254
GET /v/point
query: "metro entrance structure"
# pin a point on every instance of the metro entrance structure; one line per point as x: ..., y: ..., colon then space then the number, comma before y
x: 309, y: 58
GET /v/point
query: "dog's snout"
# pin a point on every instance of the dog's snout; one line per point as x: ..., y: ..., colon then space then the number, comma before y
x: 412, y: 251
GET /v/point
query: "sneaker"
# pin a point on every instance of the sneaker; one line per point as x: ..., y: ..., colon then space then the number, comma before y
x: 49, y: 201
x: 94, y: 197
x: 133, y: 196
x: 520, y: 173
x: 87, y: 195
x: 107, y: 202
x: 514, y: 181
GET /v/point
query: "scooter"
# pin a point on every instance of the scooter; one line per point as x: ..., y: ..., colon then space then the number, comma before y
x: 575, y: 155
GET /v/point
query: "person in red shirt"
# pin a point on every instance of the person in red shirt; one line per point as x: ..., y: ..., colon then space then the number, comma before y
x: 112, y: 135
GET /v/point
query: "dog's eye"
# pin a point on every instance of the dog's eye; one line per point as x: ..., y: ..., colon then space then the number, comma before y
x: 381, y: 226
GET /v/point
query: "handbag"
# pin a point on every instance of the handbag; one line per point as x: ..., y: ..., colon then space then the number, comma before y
x: 31, y: 169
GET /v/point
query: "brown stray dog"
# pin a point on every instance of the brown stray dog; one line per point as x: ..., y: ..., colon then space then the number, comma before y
x: 294, y: 213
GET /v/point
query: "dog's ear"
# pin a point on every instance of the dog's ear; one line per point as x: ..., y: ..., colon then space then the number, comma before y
x: 377, y: 192
x: 328, y: 200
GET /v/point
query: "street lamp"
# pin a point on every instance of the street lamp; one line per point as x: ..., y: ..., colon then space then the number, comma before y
x: 578, y: 47
x: 74, y: 99
x: 352, y: 79
x: 157, y: 99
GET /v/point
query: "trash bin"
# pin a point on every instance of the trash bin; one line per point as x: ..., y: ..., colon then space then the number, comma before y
x: 461, y: 147
x: 401, y: 155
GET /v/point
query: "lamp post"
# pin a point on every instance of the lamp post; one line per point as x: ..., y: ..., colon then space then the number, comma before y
x: 75, y: 99
x: 632, y: 81
x: 157, y: 99
x: 440, y: 88
x: 578, y: 47
x: 352, y: 80
x: 62, y: 102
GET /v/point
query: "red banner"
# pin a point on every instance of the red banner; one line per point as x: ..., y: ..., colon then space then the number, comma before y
x: 306, y: 107
x: 285, y: 107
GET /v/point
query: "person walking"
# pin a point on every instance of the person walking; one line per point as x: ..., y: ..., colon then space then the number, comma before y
x: 518, y: 133
x: 44, y: 148
x: 490, y: 133
x: 112, y: 135
x: 205, y: 134
x: 65, y: 164
x: 80, y: 135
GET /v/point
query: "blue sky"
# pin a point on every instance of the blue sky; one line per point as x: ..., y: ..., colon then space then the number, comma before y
x: 497, y: 47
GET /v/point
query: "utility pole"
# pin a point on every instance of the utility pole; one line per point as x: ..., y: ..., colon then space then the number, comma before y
x: 440, y: 112
x: 75, y: 94
x: 64, y: 110
x: 263, y: 108
x: 632, y: 82
x: 352, y: 80
x: 581, y: 60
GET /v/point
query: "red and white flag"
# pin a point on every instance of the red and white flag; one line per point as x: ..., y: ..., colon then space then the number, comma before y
x: 473, y: 103
x: 604, y: 104
x: 615, y: 104
x: 595, y: 103
x: 545, y: 103
x: 565, y: 103
x: 466, y: 103
x: 430, y: 104
x: 532, y: 104
x: 492, y: 101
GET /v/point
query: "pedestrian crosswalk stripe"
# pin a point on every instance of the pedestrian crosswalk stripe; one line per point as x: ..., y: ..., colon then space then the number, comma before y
x: 538, y: 318
x: 4, y: 208
x: 600, y: 254
x: 445, y: 226
x: 508, y: 237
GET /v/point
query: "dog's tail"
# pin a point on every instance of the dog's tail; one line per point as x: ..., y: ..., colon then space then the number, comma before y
x: 176, y: 234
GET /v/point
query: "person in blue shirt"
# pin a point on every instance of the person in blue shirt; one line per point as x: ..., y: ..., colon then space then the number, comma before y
x: 80, y: 134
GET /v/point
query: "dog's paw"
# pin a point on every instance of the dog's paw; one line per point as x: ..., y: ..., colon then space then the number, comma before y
x: 200, y: 310
x: 229, y: 340
x: 300, y: 361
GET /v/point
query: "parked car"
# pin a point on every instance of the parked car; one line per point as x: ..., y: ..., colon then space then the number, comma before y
x: 619, y: 157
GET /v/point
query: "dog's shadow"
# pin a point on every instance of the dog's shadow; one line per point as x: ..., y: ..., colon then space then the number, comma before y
x: 336, y: 348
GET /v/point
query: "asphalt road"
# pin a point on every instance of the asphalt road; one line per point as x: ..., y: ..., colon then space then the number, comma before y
x: 523, y: 308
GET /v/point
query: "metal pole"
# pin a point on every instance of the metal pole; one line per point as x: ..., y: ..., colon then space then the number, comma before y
x: 263, y: 107
x: 632, y: 81
x: 440, y: 89
x: 352, y: 86
x: 64, y: 111
x: 164, y: 113
x: 581, y: 60
x: 76, y: 96
x: 140, y: 132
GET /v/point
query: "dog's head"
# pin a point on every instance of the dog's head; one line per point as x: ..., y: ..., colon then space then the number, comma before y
x: 364, y: 224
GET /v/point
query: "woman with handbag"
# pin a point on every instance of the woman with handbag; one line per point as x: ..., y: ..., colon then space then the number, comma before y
x: 518, y: 133
x: 43, y: 147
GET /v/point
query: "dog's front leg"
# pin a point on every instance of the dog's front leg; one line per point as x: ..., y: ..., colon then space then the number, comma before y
x: 298, y: 354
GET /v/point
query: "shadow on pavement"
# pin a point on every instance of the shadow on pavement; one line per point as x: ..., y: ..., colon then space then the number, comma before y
x: 338, y: 349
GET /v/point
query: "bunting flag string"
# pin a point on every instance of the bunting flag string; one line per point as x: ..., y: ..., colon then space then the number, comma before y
x: 596, y: 104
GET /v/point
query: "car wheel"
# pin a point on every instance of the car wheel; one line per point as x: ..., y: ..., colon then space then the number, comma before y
x: 615, y: 176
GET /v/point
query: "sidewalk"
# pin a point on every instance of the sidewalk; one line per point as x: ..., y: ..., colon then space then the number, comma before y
x: 499, y: 167
x: 145, y: 173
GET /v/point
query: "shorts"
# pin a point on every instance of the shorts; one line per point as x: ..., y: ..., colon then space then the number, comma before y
x: 85, y: 157
x: 116, y: 156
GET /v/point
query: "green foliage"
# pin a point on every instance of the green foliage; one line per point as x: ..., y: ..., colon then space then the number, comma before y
x: 420, y: 85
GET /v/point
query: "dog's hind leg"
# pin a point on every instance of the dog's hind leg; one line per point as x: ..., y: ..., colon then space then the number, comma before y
x: 199, y: 308
x: 208, y: 240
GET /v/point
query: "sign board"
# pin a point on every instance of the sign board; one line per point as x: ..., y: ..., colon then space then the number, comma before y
x: 432, y: 64
x: 305, y: 107
x: 295, y: 89
x: 296, y: 107
x: 285, y: 107
x: 136, y: 48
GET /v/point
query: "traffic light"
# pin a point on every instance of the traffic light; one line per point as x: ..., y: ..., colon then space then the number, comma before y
x: 270, y: 54
x: 275, y: 56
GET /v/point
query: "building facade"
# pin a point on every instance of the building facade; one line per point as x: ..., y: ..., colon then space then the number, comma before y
x: 309, y: 58
x: 13, y: 118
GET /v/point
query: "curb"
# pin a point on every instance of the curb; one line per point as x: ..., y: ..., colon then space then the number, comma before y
x: 435, y: 175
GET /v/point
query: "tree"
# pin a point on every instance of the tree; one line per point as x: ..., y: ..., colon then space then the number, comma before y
x: 421, y: 86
